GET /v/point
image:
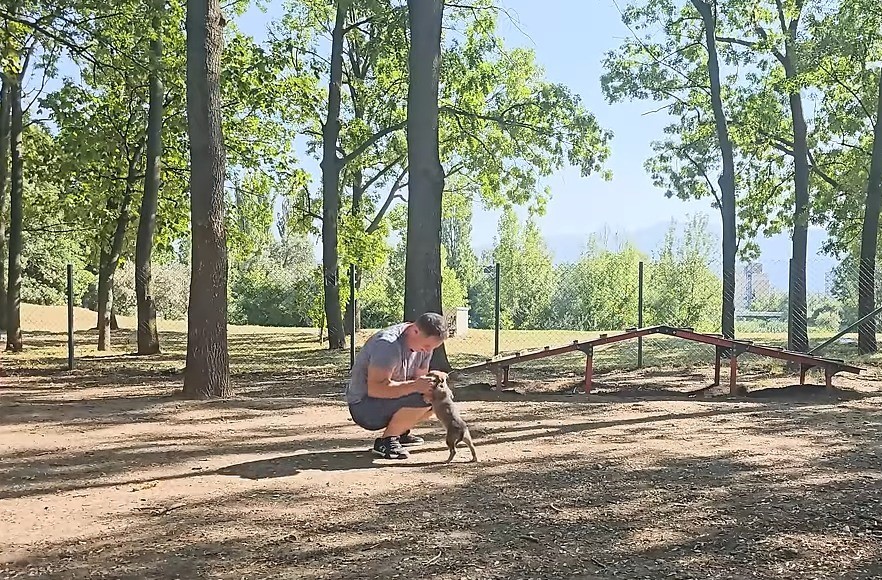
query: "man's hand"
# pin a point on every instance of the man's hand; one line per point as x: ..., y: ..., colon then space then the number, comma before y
x: 424, y: 386
x: 381, y: 385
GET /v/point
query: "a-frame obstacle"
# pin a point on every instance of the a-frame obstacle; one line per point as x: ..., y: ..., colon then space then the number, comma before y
x: 725, y: 347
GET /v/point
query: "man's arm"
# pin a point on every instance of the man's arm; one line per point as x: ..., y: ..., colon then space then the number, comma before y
x: 379, y: 376
x: 381, y: 385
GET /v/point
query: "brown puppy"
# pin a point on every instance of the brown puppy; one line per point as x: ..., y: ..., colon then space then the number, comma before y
x: 446, y: 411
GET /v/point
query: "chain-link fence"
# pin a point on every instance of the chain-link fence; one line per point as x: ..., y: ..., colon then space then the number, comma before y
x: 278, y: 315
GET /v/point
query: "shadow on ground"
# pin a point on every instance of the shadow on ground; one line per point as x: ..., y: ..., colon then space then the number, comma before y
x: 277, y: 484
x: 711, y: 515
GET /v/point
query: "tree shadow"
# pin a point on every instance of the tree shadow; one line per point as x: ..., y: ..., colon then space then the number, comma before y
x: 329, y: 461
x: 710, y: 514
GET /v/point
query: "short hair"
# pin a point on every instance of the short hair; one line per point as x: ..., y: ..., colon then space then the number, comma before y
x: 432, y: 324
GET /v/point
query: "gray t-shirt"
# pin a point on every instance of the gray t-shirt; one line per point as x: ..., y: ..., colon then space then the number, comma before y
x: 385, y: 349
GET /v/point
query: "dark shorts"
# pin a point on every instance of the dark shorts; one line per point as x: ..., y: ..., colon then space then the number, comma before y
x: 374, y: 414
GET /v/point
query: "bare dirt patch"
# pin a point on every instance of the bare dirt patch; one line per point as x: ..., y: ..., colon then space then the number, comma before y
x: 106, y: 474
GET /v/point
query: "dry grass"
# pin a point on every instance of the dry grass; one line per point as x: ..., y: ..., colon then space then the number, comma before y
x: 107, y: 475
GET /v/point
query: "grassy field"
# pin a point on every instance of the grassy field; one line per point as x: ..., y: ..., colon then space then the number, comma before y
x: 107, y: 474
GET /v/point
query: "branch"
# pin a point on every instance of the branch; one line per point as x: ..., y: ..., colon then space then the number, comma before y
x: 823, y: 174
x: 852, y: 92
x: 739, y: 41
x: 782, y: 20
x: 765, y: 37
x: 360, y: 23
x: 385, y: 207
x: 372, y: 140
x: 645, y: 48
x: 37, y: 27
x: 701, y: 170
x: 493, y: 118
x: 378, y: 175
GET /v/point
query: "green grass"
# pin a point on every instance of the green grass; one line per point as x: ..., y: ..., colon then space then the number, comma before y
x: 294, y: 357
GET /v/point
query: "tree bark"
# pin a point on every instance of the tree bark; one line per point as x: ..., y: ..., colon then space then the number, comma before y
x: 422, y: 290
x: 13, y: 315
x: 110, y: 257
x: 148, y: 334
x: 5, y: 112
x: 207, y: 372
x: 727, y: 179
x: 869, y: 235
x: 798, y: 310
x: 331, y: 166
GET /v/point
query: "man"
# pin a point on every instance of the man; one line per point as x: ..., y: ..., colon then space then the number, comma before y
x: 387, y: 385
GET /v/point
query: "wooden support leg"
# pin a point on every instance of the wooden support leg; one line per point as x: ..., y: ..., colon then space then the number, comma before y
x: 498, y: 372
x: 733, y: 374
x: 802, y: 370
x: 828, y: 378
x: 717, y: 368
x: 589, y: 372
x: 505, y: 377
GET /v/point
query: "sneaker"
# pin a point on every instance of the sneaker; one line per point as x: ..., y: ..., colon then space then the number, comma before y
x: 389, y: 448
x: 408, y: 440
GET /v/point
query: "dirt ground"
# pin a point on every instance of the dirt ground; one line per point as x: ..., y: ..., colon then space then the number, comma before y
x: 106, y: 474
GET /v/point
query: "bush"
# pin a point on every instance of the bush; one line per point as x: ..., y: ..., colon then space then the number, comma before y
x: 44, y: 270
x: 277, y: 287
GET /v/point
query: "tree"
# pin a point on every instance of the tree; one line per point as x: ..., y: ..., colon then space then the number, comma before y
x: 599, y: 291
x: 5, y: 113
x: 846, y: 46
x: 774, y: 33
x: 422, y: 279
x: 527, y: 281
x: 101, y: 137
x: 489, y: 97
x: 331, y: 166
x: 148, y: 335
x: 13, y: 297
x: 726, y: 181
x: 682, y: 69
x: 208, y: 362
x: 13, y: 315
x: 682, y: 290
x: 869, y: 238
x: 456, y: 236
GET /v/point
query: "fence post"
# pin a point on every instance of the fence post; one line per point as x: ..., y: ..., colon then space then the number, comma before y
x: 70, y: 319
x: 352, y: 315
x: 640, y: 313
x: 496, y: 315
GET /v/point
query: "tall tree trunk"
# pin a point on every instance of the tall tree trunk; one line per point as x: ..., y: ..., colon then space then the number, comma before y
x: 422, y: 278
x: 5, y: 111
x: 13, y: 315
x: 148, y: 335
x: 727, y: 179
x: 110, y: 256
x: 331, y: 166
x: 867, y: 269
x: 208, y: 359
x: 798, y: 310
x: 357, y: 197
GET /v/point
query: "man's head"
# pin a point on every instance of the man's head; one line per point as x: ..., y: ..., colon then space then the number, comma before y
x: 427, y: 333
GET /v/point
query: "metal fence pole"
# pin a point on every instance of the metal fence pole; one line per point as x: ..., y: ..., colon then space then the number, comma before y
x: 497, y: 309
x: 70, y: 319
x: 640, y: 314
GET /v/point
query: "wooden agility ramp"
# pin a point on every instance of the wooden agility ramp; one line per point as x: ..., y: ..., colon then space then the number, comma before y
x: 725, y: 348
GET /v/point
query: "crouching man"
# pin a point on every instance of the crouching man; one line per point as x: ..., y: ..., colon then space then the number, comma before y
x: 386, y: 389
